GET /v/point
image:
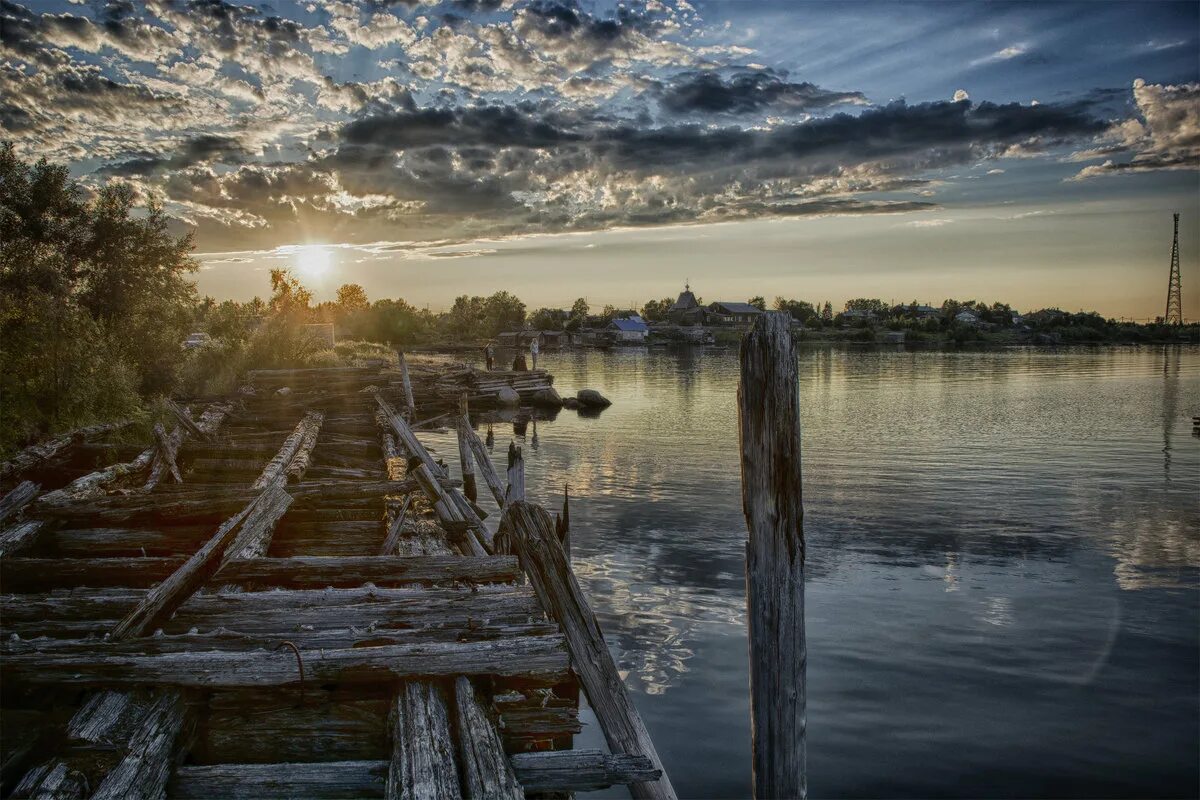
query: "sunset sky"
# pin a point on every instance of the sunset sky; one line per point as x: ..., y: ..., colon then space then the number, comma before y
x: 1018, y: 152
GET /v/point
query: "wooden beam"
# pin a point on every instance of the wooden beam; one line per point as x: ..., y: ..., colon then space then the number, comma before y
x: 144, y: 770
x: 16, y: 538
x: 486, y: 771
x: 537, y: 659
x: 304, y: 432
x: 550, y: 771
x: 37, y: 454
x: 531, y: 531
x: 167, y: 447
x: 769, y: 436
x: 21, y: 496
x: 185, y: 420
x: 422, y: 763
x: 516, y: 476
x: 23, y: 575
x: 395, y: 529
x: 261, y: 513
x: 485, y: 463
x: 408, y: 392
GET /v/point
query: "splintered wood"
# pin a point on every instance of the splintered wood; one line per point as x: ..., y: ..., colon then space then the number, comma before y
x: 289, y: 596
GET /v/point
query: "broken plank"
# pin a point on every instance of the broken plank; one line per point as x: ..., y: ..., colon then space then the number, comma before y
x: 422, y: 759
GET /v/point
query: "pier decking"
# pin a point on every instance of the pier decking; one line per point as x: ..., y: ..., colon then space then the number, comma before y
x: 288, y: 596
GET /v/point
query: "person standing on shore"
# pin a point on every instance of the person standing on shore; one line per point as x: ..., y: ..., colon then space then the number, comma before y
x: 489, y: 355
x: 533, y: 351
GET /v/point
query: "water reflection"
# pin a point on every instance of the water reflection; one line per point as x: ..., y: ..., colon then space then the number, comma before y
x: 1004, y: 562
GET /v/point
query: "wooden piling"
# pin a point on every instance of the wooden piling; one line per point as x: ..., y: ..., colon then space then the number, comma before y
x: 408, y: 393
x: 465, y: 459
x: 516, y: 476
x: 769, y: 437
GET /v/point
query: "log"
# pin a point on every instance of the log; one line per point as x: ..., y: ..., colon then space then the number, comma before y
x: 21, y: 496
x: 21, y: 536
x: 317, y: 572
x: 536, y: 659
x: 486, y: 770
x: 278, y: 465
x: 186, y: 422
x: 53, y: 780
x: 531, y: 533
x: 145, y: 769
x: 465, y: 459
x: 23, y: 575
x: 39, y: 453
x: 769, y: 437
x: 329, y: 780
x: 516, y: 476
x: 259, y: 514
x: 392, y: 541
x: 551, y: 771
x: 422, y: 759
x: 167, y: 447
x: 408, y: 392
x: 299, y: 463
x: 485, y: 463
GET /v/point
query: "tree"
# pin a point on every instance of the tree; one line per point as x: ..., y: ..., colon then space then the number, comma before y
x: 579, y: 309
x: 657, y: 310
x: 867, y: 304
x: 826, y: 313
x: 546, y: 319
x: 503, y: 312
x: 608, y: 314
x: 799, y: 310
x: 758, y: 302
x: 351, y: 298
x: 288, y: 296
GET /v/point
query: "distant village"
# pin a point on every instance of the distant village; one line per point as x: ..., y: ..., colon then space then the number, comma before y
x: 689, y: 320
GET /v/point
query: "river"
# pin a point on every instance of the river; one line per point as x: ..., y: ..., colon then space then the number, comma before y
x: 1003, y: 592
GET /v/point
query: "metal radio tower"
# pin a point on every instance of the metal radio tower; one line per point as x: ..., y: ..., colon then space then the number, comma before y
x: 1174, y: 315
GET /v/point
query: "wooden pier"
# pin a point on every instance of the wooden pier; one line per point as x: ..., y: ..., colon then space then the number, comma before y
x: 287, y: 595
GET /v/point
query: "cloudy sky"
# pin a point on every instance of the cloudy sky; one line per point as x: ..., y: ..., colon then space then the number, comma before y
x: 426, y: 148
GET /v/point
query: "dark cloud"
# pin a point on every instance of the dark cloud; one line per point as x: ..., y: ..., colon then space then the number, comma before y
x: 196, y: 150
x: 496, y: 126
x: 747, y: 92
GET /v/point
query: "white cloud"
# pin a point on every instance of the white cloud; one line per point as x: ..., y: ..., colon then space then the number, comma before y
x: 960, y: 95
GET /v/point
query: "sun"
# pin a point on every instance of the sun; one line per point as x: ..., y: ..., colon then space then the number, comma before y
x: 314, y: 261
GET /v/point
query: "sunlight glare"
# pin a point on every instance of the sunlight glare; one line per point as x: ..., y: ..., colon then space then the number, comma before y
x: 314, y: 262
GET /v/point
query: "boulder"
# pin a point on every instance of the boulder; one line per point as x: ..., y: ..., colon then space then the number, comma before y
x: 507, y: 396
x: 547, y: 398
x: 570, y: 402
x: 590, y: 398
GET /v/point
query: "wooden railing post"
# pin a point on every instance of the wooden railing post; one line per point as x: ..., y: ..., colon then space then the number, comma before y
x: 408, y: 393
x: 769, y: 435
x: 465, y: 459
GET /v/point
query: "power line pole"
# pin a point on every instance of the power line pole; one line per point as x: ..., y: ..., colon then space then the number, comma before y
x: 1174, y: 315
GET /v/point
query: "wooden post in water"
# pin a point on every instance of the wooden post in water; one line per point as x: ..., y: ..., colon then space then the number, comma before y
x: 516, y: 476
x: 408, y: 395
x: 465, y: 460
x: 769, y: 436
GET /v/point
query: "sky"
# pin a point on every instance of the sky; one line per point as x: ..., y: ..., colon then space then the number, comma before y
x: 1027, y: 153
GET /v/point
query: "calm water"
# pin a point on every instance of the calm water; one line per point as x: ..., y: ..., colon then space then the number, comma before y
x: 1004, y: 563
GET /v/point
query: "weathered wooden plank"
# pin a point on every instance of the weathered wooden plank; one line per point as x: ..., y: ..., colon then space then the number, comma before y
x: 261, y: 513
x: 24, y: 575
x: 165, y: 457
x: 486, y: 770
x: 466, y: 459
x: 144, y: 770
x: 485, y: 463
x: 317, y: 572
x: 538, y: 659
x: 185, y: 420
x: 529, y: 530
x: 305, y: 434
x: 395, y: 529
x: 769, y: 436
x: 562, y: 771
x: 408, y: 392
x: 21, y: 496
x: 37, y: 454
x: 422, y: 763
x: 20, y: 536
x: 516, y: 476
x: 52, y: 780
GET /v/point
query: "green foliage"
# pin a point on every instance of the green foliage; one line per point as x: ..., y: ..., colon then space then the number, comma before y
x: 94, y: 300
x: 758, y: 302
x: 546, y: 319
x: 867, y: 304
x: 657, y: 310
x: 798, y: 309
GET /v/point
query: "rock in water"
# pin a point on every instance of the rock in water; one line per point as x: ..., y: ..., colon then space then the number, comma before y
x: 570, y: 402
x: 547, y: 398
x: 590, y: 398
x: 507, y: 396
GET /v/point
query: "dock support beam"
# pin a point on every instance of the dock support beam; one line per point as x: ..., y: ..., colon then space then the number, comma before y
x: 769, y: 437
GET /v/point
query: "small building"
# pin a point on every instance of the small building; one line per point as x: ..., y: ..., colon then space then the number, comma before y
x: 732, y: 313
x: 966, y: 318
x: 629, y: 330
x: 556, y: 339
x: 321, y: 332
x: 858, y: 315
x: 520, y: 339
x: 686, y: 310
x: 924, y: 312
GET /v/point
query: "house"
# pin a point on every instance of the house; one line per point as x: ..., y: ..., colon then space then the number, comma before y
x: 520, y: 339
x: 686, y: 310
x: 858, y: 315
x: 732, y: 313
x: 966, y: 318
x: 629, y: 330
x: 924, y: 312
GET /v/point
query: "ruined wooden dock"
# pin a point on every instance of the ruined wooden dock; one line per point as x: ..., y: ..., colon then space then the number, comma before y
x: 287, y: 595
